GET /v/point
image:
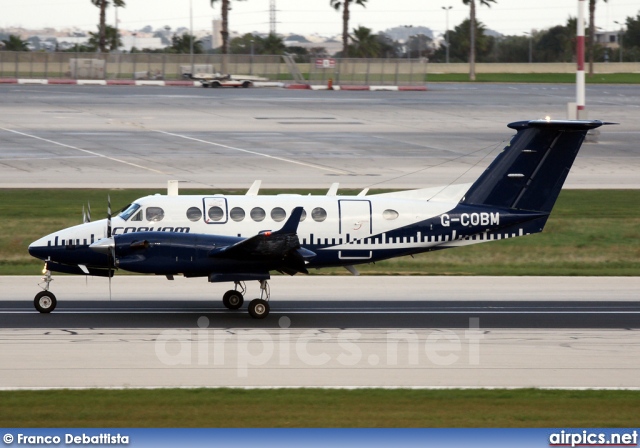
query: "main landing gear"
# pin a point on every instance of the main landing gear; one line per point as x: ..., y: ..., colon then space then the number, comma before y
x: 258, y: 308
x: 45, y: 301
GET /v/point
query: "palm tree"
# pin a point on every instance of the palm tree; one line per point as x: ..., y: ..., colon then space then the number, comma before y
x: 225, y: 23
x: 14, y: 43
x: 344, y: 4
x: 112, y: 38
x: 365, y: 44
x: 592, y: 33
x: 472, y: 34
x: 272, y: 44
x: 103, y: 4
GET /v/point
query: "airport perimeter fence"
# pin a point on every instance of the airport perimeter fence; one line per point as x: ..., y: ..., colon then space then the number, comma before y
x: 166, y: 66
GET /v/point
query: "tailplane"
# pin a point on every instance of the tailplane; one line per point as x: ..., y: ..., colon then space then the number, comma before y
x: 530, y: 172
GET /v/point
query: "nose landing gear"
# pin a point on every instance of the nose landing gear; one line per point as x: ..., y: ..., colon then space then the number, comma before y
x: 45, y: 301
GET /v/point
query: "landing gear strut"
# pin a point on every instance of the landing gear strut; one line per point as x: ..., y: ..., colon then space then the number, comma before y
x: 45, y: 301
x: 233, y: 299
x: 259, y: 308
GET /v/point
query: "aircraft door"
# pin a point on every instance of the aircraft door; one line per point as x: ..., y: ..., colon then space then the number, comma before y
x: 215, y: 210
x: 355, y: 225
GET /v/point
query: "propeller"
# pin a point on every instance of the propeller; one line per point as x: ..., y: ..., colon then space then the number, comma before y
x: 86, y: 215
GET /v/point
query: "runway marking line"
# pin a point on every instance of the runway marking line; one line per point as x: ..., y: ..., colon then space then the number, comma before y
x: 86, y: 151
x: 255, y: 153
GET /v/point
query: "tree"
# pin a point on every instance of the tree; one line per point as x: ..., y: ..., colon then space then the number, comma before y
x: 472, y: 28
x: 557, y: 44
x: 344, y: 4
x: 459, y: 43
x: 182, y: 44
x: 112, y: 39
x: 225, y: 23
x: 14, y: 43
x: 365, y: 44
x: 272, y: 44
x: 389, y: 48
x: 592, y: 33
x: 102, y: 28
x: 418, y: 46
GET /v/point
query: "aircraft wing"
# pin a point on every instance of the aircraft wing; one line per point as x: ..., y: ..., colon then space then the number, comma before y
x: 282, y: 245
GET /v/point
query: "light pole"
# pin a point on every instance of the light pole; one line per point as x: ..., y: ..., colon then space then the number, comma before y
x: 619, y: 39
x: 530, y: 46
x: 408, y: 37
x: 191, y: 32
x: 251, y: 66
x: 446, y: 33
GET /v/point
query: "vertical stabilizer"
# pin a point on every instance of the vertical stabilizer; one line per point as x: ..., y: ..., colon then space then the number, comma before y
x: 530, y: 171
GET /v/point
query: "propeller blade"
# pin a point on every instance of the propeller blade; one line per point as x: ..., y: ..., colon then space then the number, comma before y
x: 84, y: 215
x: 88, y: 212
x: 108, y: 216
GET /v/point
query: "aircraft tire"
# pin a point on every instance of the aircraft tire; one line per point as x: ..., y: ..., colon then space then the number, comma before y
x: 45, y: 302
x: 246, y: 84
x: 232, y: 299
x: 258, y: 308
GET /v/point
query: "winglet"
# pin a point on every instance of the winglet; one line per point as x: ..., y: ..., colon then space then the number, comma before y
x: 291, y: 226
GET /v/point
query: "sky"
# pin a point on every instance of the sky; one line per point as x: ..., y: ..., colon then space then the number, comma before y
x: 510, y: 17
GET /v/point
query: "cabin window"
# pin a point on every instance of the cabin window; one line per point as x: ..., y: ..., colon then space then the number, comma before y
x: 258, y: 214
x: 237, y: 214
x: 216, y: 213
x: 319, y: 214
x: 194, y: 214
x: 154, y: 214
x: 137, y: 216
x: 303, y: 216
x: 278, y: 214
x: 390, y: 214
x: 128, y: 211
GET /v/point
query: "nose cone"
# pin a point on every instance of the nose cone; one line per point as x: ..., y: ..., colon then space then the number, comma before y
x: 40, y: 249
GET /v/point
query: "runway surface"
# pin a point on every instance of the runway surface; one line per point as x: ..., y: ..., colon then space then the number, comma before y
x: 88, y: 136
x: 326, y: 331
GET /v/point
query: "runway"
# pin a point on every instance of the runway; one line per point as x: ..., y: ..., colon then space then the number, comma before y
x: 326, y: 332
x: 119, y: 137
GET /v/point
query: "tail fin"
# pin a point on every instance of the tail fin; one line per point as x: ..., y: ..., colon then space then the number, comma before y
x: 530, y: 172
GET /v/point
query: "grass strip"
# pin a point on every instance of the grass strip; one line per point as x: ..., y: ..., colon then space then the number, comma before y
x: 304, y: 408
x: 590, y: 232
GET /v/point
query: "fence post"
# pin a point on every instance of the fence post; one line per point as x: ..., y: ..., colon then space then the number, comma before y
x: 16, y: 55
x: 135, y: 61
x: 410, y: 71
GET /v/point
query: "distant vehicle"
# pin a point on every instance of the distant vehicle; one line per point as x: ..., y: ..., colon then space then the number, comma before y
x: 216, y: 80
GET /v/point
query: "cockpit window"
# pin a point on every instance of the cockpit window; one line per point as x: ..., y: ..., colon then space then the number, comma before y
x: 154, y: 214
x: 128, y: 211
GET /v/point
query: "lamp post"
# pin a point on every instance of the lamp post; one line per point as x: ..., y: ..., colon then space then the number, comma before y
x: 619, y: 39
x: 191, y: 32
x: 530, y: 46
x: 251, y: 66
x: 446, y: 33
x: 408, y: 37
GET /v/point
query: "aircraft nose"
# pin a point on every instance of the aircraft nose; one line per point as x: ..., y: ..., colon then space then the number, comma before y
x: 39, y: 250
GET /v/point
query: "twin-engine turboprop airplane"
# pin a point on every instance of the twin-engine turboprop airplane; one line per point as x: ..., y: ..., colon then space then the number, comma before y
x: 245, y: 237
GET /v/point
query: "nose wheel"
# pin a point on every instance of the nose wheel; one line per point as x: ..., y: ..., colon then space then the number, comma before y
x: 45, y: 301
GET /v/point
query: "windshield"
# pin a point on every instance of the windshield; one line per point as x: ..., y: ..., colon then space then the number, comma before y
x: 128, y: 211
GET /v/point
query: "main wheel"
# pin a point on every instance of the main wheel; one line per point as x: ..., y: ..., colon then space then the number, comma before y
x: 232, y: 299
x: 258, y: 308
x: 246, y: 84
x: 45, y: 302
